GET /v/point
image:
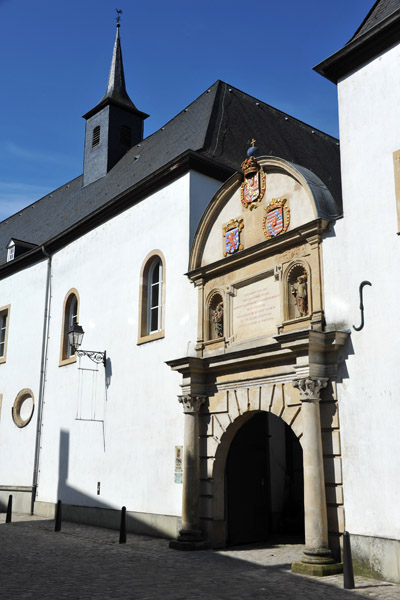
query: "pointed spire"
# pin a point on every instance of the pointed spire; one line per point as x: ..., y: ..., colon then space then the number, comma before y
x: 114, y: 125
x: 116, y: 91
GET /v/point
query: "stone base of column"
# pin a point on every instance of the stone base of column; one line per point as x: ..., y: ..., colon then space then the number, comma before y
x: 189, y: 539
x: 318, y: 562
x: 317, y: 556
x: 317, y: 570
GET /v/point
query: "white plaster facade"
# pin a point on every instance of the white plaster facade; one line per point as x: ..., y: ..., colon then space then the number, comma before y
x: 25, y: 293
x: 364, y: 245
x: 106, y: 436
x: 106, y: 426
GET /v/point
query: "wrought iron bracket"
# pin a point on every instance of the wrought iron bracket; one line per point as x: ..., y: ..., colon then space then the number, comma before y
x: 362, y: 285
x: 95, y: 356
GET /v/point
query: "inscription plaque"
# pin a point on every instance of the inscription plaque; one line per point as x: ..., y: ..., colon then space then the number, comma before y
x: 178, y: 464
x: 256, y: 309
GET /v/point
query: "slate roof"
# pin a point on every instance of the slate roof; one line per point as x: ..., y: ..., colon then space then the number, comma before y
x: 380, y: 11
x: 379, y: 31
x: 217, y: 126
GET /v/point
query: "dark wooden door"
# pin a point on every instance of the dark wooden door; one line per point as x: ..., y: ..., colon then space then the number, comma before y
x: 247, y: 481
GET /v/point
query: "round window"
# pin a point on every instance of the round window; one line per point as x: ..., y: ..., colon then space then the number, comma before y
x: 23, y: 408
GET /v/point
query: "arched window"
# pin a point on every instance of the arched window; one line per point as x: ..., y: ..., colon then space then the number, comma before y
x: 4, y: 319
x: 70, y: 316
x: 152, y: 294
x: 96, y: 136
x: 154, y: 290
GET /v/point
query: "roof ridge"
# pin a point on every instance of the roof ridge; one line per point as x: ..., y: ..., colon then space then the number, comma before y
x: 281, y: 112
x: 381, y: 12
x: 365, y: 19
x: 186, y: 108
x: 213, y: 114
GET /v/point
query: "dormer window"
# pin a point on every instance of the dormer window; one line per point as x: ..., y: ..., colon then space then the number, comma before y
x: 17, y: 247
x: 11, y: 253
x: 96, y: 136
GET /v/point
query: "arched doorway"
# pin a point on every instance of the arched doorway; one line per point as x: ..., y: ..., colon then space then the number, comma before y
x: 264, y: 481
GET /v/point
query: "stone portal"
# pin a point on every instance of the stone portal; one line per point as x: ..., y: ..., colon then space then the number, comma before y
x: 264, y: 482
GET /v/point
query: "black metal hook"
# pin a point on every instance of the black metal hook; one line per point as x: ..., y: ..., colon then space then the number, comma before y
x: 362, y: 285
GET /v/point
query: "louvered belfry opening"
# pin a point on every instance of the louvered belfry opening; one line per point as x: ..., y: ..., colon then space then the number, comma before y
x: 96, y: 136
x: 125, y: 136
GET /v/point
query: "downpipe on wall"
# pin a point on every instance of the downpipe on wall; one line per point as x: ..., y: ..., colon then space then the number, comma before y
x: 42, y: 381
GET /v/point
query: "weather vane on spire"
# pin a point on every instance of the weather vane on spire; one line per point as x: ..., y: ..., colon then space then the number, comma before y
x: 118, y: 17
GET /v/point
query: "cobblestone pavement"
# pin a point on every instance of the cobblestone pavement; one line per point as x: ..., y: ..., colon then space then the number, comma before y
x: 83, y: 562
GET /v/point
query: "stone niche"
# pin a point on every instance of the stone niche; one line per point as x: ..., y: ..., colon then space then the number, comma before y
x: 297, y: 285
x: 215, y: 313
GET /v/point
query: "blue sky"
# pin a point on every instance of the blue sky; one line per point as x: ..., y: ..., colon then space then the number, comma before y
x: 55, y: 58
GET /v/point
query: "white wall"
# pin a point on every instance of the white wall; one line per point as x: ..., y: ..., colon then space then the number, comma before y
x: 202, y: 189
x: 132, y: 453
x: 25, y: 292
x: 365, y: 245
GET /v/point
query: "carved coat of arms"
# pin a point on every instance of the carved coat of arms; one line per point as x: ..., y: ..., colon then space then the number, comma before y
x: 231, y: 233
x: 253, y: 186
x: 277, y: 218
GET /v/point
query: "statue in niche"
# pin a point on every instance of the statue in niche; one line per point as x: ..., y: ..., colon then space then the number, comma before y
x: 299, y: 292
x: 217, y: 318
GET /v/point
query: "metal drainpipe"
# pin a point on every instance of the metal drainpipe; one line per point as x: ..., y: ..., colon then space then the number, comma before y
x: 42, y: 382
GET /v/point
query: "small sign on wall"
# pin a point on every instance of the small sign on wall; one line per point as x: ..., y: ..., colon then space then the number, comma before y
x: 178, y: 464
x: 396, y: 164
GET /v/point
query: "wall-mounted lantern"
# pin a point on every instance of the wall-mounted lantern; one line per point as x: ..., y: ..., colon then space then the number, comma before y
x: 75, y: 337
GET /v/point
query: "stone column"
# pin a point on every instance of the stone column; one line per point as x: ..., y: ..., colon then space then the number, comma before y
x: 317, y: 558
x: 190, y: 536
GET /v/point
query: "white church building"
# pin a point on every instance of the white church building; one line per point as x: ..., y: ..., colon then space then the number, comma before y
x: 237, y: 376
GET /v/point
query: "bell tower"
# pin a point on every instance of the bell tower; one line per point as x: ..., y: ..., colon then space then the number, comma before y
x: 113, y: 126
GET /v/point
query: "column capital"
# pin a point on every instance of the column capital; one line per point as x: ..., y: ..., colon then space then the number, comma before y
x: 191, y: 403
x: 310, y: 388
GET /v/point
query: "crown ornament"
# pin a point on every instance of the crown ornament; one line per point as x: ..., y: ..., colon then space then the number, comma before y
x: 253, y: 187
x: 250, y: 166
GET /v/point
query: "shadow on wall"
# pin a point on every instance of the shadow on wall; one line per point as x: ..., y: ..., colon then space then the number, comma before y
x: 79, y: 507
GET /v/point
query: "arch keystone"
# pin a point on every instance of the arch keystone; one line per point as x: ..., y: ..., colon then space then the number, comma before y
x: 254, y: 398
x: 267, y: 393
